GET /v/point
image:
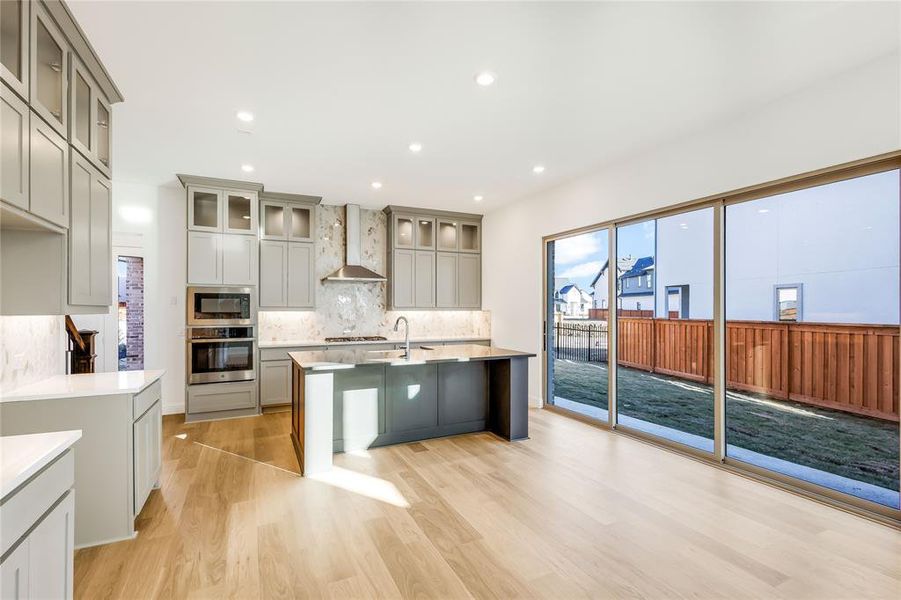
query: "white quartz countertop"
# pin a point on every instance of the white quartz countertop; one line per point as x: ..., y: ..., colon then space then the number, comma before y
x: 83, y: 385
x: 419, y: 340
x: 348, y: 358
x: 21, y: 456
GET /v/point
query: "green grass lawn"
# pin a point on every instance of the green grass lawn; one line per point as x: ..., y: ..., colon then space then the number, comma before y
x: 861, y: 448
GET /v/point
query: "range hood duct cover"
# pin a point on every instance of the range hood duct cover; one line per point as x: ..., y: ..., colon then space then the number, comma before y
x: 353, y: 271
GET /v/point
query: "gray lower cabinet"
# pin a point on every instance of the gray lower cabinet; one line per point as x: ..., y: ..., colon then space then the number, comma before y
x: 49, y: 180
x: 447, y: 273
x: 90, y: 246
x: 15, y: 131
x: 148, y: 431
x: 240, y: 396
x: 41, y: 565
x: 275, y: 382
x: 469, y: 280
x: 462, y: 393
x: 412, y: 395
x: 287, y: 274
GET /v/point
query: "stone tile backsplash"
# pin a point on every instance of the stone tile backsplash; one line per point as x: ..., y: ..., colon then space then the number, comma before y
x: 360, y: 308
x: 42, y: 343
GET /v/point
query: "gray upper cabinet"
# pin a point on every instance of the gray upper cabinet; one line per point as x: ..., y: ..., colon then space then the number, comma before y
x: 15, y: 132
x: 48, y: 78
x: 49, y: 182
x: 90, y: 244
x: 239, y: 212
x: 287, y: 275
x: 447, y: 273
x: 204, y: 258
x: 239, y: 260
x: 469, y: 281
x: 89, y: 117
x: 273, y: 274
x: 434, y: 259
x: 14, y: 31
x: 424, y: 280
x: 288, y: 220
x: 204, y: 209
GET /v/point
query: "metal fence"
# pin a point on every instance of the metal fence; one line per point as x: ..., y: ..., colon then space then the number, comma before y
x: 583, y: 342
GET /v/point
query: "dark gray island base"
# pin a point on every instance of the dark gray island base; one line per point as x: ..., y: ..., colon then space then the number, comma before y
x: 345, y: 400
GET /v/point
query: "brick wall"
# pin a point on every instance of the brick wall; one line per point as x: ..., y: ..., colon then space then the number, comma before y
x: 134, y: 298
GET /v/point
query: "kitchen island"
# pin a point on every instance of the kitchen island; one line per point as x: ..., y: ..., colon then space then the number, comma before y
x: 354, y: 399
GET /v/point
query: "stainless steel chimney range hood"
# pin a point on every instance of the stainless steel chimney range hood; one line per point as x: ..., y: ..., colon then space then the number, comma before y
x: 353, y: 271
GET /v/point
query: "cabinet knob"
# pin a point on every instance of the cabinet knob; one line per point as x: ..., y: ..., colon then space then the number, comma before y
x: 102, y: 124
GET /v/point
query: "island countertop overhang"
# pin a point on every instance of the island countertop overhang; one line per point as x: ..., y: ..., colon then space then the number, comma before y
x: 338, y: 359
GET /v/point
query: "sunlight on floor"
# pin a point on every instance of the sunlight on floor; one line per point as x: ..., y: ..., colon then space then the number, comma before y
x: 365, y: 485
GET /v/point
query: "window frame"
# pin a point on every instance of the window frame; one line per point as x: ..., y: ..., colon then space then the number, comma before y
x: 799, y: 302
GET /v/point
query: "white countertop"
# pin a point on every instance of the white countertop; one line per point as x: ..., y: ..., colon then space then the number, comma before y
x: 84, y: 385
x: 21, y: 456
x: 419, y: 340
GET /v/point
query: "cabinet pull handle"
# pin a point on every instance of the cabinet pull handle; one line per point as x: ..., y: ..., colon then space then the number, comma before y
x: 102, y: 124
x: 55, y: 66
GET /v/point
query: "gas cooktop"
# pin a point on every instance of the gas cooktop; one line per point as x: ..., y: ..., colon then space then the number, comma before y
x: 358, y: 338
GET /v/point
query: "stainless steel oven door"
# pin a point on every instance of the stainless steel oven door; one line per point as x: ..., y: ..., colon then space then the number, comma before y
x: 220, y: 360
x: 220, y: 306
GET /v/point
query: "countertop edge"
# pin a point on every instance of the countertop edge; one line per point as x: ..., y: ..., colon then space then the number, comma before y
x: 15, y: 396
x: 62, y: 441
x: 339, y: 366
x: 313, y: 343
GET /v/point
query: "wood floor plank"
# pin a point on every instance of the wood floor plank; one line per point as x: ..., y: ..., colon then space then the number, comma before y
x: 572, y: 512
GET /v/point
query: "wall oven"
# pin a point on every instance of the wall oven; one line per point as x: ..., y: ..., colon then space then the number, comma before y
x: 220, y: 354
x: 220, y: 306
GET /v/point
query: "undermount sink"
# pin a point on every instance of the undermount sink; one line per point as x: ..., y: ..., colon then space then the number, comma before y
x: 391, y: 355
x: 426, y: 348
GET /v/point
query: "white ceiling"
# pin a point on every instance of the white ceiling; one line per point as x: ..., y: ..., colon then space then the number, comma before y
x: 340, y: 90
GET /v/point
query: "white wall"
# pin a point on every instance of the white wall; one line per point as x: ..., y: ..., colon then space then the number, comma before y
x: 852, y: 116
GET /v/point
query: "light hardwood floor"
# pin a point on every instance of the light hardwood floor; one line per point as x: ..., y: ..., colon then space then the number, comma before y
x: 573, y: 512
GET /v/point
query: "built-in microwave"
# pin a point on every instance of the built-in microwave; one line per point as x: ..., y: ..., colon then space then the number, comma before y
x: 220, y: 354
x: 214, y: 306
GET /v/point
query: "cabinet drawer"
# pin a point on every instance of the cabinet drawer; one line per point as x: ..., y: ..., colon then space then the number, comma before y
x: 25, y: 507
x: 221, y: 396
x: 145, y: 399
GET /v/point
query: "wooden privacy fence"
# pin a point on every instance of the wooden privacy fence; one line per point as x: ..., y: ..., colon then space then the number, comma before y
x: 853, y: 368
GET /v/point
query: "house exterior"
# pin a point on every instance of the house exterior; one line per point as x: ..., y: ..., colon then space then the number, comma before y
x: 636, y: 286
x: 600, y: 282
x: 571, y: 301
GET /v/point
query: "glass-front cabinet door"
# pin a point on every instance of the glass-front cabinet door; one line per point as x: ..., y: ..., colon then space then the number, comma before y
x: 103, y: 131
x: 48, y: 73
x: 470, y: 240
x: 14, y: 31
x: 203, y: 209
x: 403, y: 232
x: 425, y: 234
x: 302, y: 223
x: 274, y: 219
x: 81, y: 101
x: 447, y: 235
x: 240, y: 212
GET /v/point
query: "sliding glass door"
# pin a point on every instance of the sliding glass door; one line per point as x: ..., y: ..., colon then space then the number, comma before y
x: 578, y: 309
x: 665, y: 327
x: 761, y: 330
x: 812, y: 300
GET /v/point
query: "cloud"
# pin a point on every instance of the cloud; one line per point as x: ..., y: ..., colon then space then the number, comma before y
x: 576, y: 249
x: 588, y: 269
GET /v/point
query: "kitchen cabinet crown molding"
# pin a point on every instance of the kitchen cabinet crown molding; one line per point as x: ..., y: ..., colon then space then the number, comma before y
x: 78, y: 40
x: 425, y: 212
x: 285, y: 197
x: 215, y: 182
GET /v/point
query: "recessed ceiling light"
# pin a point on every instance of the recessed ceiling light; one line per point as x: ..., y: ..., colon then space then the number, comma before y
x: 486, y: 78
x: 376, y: 185
x: 245, y: 217
x: 763, y: 211
x: 683, y: 225
x: 247, y: 168
x: 538, y: 169
x: 245, y: 115
x: 478, y: 198
x: 415, y: 147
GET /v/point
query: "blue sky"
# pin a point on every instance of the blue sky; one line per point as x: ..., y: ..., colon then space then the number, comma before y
x: 580, y: 257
